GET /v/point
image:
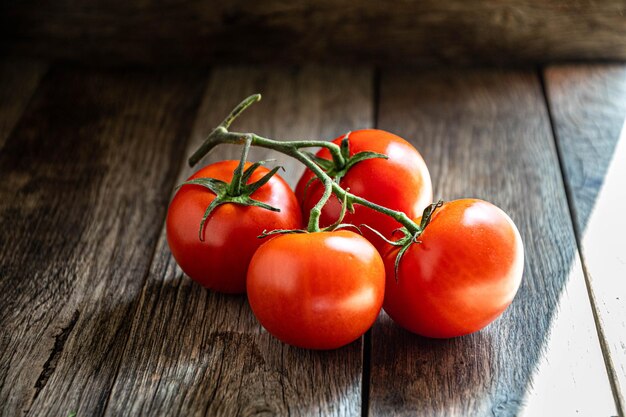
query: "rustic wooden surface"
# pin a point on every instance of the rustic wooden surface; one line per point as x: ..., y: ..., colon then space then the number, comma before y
x: 405, y: 32
x: 588, y: 105
x: 97, y: 319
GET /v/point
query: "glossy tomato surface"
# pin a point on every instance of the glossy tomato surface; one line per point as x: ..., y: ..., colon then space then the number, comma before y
x: 463, y: 274
x: 401, y: 183
x: 317, y: 290
x: 220, y: 262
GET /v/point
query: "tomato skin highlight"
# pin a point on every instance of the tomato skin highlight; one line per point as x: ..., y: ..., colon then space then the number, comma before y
x: 316, y: 290
x: 401, y: 183
x: 462, y: 276
x: 231, y: 232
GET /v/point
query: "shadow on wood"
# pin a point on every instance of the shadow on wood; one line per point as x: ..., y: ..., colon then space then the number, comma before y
x: 588, y: 106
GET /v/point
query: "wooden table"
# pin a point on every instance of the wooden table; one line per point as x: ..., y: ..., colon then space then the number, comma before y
x: 96, y: 319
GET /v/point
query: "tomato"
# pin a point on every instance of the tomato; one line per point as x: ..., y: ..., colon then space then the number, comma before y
x: 401, y: 183
x: 463, y: 274
x: 316, y: 290
x: 220, y: 261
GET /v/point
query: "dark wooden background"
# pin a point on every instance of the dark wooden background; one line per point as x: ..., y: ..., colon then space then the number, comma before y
x: 403, y: 32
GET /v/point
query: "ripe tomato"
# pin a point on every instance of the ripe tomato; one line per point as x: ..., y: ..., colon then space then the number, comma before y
x: 401, y: 183
x: 463, y: 274
x: 220, y: 261
x: 316, y: 290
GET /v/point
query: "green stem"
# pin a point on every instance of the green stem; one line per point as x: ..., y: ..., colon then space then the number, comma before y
x: 239, y: 109
x: 208, y: 145
x: 335, y: 150
x: 221, y: 135
x: 234, y: 190
x: 316, y: 211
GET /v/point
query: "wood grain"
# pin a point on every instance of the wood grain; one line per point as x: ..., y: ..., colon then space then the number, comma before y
x: 588, y: 107
x: 408, y: 32
x: 487, y: 134
x: 195, y: 352
x: 86, y: 176
x: 18, y: 81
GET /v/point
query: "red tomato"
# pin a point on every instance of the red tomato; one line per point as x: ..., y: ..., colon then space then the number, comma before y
x: 401, y: 183
x: 463, y: 274
x: 317, y: 290
x: 231, y: 232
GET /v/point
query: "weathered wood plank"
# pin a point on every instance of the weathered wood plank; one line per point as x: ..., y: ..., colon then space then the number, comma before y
x: 194, y: 352
x: 18, y: 81
x: 487, y: 134
x: 85, y: 179
x: 410, y: 32
x: 588, y: 106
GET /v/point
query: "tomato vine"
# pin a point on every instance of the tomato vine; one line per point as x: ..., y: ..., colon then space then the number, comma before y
x: 221, y: 135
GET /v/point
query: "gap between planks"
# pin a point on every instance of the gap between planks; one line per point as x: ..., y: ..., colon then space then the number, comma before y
x: 588, y: 106
x: 572, y: 216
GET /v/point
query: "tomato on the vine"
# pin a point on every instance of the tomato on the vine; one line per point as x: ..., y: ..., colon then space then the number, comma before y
x: 401, y: 182
x: 318, y: 290
x: 217, y: 255
x: 463, y: 273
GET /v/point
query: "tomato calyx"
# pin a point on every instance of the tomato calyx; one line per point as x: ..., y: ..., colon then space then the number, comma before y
x: 337, y: 168
x: 408, y: 237
x: 238, y: 191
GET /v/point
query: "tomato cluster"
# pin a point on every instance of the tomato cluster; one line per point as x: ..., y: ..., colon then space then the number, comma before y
x: 324, y: 289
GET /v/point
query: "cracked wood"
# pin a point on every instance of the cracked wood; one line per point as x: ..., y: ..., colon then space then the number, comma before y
x: 57, y: 349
